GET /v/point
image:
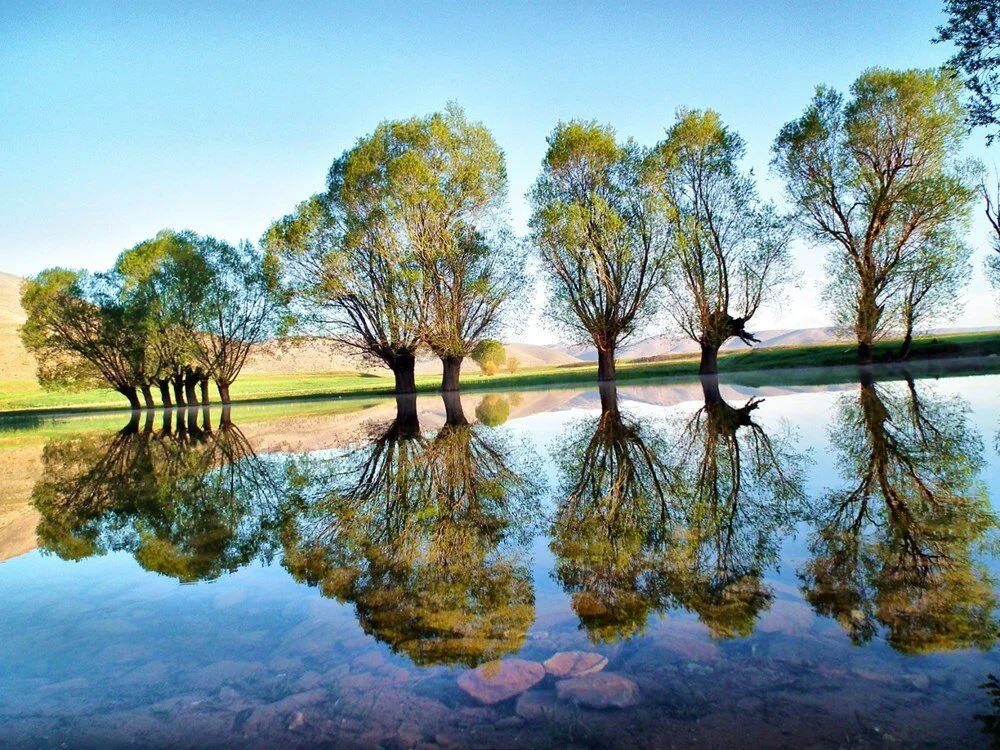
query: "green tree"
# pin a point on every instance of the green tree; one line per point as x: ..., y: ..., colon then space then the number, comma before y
x: 168, y: 277
x: 899, y: 547
x: 593, y: 227
x: 450, y: 187
x: 489, y: 354
x: 243, y: 306
x: 729, y: 250
x: 81, y: 331
x: 493, y: 410
x: 874, y: 178
x: 424, y: 535
x: 974, y: 28
x: 186, y: 501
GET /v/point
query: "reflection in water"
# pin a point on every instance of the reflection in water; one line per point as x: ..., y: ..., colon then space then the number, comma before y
x: 424, y: 535
x: 186, y: 500
x: 649, y: 520
x: 897, y: 547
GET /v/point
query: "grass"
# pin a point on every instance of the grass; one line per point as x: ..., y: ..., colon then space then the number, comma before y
x: 25, y: 397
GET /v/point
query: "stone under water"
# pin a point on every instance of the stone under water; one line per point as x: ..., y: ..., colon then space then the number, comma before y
x: 497, y: 681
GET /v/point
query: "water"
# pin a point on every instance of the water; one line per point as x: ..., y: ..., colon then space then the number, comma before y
x: 766, y: 566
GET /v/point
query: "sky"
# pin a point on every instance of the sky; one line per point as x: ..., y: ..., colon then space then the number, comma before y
x: 121, y: 119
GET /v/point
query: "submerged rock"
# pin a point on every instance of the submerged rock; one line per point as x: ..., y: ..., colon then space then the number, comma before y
x: 536, y: 705
x: 599, y: 690
x: 499, y: 680
x: 574, y: 663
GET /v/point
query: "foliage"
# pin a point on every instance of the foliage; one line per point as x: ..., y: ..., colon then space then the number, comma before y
x: 729, y: 250
x: 593, y: 227
x: 898, y: 547
x: 974, y: 28
x: 876, y: 179
x: 493, y: 410
x: 513, y: 364
x: 489, y: 351
x: 424, y: 536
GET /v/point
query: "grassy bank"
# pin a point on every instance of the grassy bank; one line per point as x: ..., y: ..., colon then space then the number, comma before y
x: 26, y: 397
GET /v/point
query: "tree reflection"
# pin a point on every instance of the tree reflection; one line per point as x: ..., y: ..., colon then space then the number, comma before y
x: 424, y: 536
x: 659, y: 517
x: 897, y: 548
x: 186, y: 500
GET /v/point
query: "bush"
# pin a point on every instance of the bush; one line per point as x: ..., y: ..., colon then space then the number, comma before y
x: 489, y: 351
x: 489, y: 368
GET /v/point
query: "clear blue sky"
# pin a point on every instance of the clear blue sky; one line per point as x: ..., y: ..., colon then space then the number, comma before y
x: 117, y: 120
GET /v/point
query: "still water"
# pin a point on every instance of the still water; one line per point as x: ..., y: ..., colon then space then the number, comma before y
x: 665, y: 565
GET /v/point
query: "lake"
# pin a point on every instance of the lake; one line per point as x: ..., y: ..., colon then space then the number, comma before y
x: 668, y: 564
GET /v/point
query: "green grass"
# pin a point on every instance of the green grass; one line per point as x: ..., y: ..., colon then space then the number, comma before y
x: 23, y: 397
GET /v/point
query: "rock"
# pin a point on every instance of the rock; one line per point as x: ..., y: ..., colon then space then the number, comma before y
x: 599, y: 690
x: 919, y: 681
x: 574, y: 663
x: 225, y: 671
x: 536, y: 705
x: 510, y: 722
x: 499, y: 680
x: 298, y: 721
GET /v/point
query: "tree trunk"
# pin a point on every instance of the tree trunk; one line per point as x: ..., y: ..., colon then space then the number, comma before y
x: 609, y: 397
x: 133, y: 424
x: 147, y: 396
x: 402, y: 366
x: 226, y: 418
x: 864, y: 353
x: 223, y: 392
x: 147, y: 426
x: 710, y: 389
x: 129, y: 392
x: 605, y: 365
x: 454, y: 414
x: 904, y: 352
x: 407, y: 421
x: 709, y: 360
x: 168, y: 423
x: 178, y: 389
x: 204, y: 391
x: 165, y: 393
x: 206, y: 418
x: 192, y: 422
x: 190, y: 380
x: 452, y: 373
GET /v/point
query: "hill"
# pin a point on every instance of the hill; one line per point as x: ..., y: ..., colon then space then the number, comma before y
x: 15, y: 362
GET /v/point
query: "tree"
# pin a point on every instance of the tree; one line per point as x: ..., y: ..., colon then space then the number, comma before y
x: 489, y: 352
x: 932, y: 284
x: 593, y: 227
x: 513, y: 364
x: 993, y: 215
x: 729, y: 250
x: 424, y: 536
x: 493, y: 410
x: 168, y: 277
x: 80, y: 331
x: 900, y: 546
x: 449, y: 188
x: 243, y: 306
x: 974, y: 28
x: 874, y: 178
x: 352, y: 278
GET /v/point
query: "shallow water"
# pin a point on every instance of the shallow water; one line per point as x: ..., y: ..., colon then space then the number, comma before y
x: 766, y: 566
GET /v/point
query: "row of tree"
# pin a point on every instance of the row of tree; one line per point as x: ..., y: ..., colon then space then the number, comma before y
x: 174, y: 313
x: 428, y: 534
x: 410, y: 247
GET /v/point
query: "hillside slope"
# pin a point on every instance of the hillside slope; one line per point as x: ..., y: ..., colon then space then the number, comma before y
x: 15, y: 362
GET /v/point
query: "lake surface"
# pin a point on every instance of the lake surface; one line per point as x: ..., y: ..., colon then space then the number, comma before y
x: 807, y: 565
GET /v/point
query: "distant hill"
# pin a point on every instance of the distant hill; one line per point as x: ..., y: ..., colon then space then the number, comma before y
x: 659, y: 346
x: 15, y: 362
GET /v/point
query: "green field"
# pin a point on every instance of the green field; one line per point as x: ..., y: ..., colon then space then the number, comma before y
x: 26, y: 396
